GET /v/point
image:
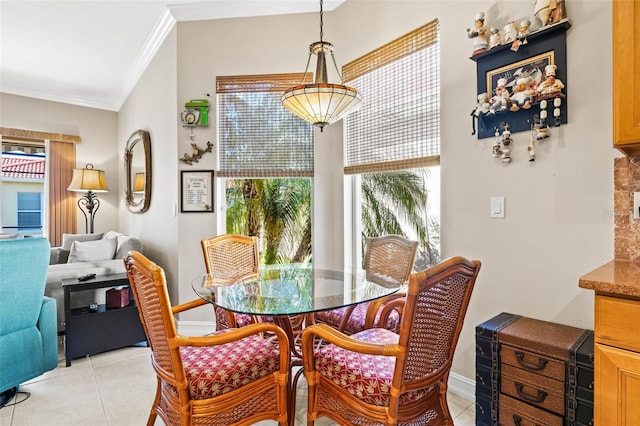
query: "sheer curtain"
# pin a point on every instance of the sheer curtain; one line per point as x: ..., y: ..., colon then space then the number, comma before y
x: 62, y: 207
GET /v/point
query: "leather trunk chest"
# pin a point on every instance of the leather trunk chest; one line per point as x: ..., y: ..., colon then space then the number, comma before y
x: 532, y: 372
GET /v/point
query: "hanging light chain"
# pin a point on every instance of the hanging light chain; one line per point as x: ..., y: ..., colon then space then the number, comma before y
x: 321, y: 22
x: 306, y: 69
x: 336, y: 66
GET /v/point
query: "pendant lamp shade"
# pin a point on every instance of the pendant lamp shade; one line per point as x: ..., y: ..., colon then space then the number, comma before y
x: 321, y: 103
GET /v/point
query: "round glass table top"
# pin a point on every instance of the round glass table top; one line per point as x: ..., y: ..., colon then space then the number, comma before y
x: 293, y: 289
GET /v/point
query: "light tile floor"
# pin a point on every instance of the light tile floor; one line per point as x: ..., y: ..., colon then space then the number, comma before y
x: 117, y: 388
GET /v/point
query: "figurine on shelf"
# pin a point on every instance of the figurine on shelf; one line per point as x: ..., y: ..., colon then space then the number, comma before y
x: 501, y: 98
x: 540, y: 129
x: 495, y: 39
x: 543, y: 113
x: 495, y: 150
x: 549, y: 11
x: 521, y: 97
x: 521, y: 37
x: 532, y: 148
x: 479, y: 35
x: 506, y: 156
x: 551, y: 87
x: 510, y: 33
x: 482, y: 107
x: 556, y: 110
x: 506, y: 135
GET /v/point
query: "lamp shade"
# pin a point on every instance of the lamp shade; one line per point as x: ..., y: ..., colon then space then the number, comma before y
x: 138, y: 182
x: 321, y: 103
x: 88, y: 179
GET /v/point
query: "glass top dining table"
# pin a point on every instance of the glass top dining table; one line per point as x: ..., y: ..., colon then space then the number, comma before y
x: 284, y: 291
x: 293, y: 289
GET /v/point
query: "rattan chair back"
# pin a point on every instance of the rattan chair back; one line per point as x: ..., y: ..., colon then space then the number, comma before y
x: 148, y: 283
x: 434, y: 311
x: 389, y: 257
x: 231, y: 256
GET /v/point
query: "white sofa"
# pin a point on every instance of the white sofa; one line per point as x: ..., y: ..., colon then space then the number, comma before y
x: 82, y: 254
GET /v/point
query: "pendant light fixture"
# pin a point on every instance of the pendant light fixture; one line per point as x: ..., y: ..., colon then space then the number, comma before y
x: 321, y: 103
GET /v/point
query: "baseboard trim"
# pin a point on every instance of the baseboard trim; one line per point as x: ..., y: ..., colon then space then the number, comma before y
x: 459, y: 385
x: 462, y: 386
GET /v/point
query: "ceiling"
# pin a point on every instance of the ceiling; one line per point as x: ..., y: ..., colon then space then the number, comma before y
x: 92, y: 53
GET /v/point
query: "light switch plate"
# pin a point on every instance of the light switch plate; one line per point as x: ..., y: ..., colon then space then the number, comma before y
x: 497, y: 207
x: 636, y: 205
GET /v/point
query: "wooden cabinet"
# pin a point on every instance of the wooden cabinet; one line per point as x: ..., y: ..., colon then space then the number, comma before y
x: 626, y: 76
x: 617, y: 361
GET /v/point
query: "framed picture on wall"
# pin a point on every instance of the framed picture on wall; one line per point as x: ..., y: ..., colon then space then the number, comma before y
x: 532, y: 67
x: 196, y: 188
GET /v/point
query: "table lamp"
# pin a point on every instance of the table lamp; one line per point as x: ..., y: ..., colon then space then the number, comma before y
x: 90, y: 180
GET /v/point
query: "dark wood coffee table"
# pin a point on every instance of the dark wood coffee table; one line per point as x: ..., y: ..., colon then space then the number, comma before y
x: 89, y: 333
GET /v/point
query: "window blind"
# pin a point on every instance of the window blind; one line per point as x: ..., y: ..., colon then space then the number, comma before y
x: 398, y: 124
x: 257, y: 137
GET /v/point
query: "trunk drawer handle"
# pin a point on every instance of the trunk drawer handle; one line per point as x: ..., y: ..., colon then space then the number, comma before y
x: 542, y: 363
x: 539, y: 398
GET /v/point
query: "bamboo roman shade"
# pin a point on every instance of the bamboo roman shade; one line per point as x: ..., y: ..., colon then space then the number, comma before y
x: 398, y: 125
x: 257, y: 137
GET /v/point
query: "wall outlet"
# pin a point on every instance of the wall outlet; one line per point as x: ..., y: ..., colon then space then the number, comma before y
x: 636, y: 205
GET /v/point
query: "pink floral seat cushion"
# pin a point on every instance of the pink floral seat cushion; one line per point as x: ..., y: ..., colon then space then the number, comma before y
x: 241, y: 319
x: 367, y: 377
x: 356, y: 320
x: 215, y: 370
x: 332, y: 317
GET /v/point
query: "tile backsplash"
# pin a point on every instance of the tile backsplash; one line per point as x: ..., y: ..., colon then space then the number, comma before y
x: 626, y: 181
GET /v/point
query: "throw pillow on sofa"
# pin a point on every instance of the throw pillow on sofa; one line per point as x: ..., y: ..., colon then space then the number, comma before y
x: 91, y: 251
x: 125, y: 243
x: 68, y: 239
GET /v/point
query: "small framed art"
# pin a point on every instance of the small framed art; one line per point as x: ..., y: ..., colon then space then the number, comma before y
x: 196, y: 188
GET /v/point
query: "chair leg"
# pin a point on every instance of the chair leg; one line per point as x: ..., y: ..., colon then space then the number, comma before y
x: 154, y: 408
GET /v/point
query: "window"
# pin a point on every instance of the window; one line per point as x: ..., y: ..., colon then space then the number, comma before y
x: 257, y: 137
x: 398, y: 125
x: 29, y: 211
x: 266, y: 154
x: 393, y: 140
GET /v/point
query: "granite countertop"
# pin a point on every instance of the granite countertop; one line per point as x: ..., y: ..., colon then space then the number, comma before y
x: 618, y: 278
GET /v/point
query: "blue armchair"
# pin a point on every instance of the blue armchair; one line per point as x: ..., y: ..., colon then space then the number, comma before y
x: 28, y: 331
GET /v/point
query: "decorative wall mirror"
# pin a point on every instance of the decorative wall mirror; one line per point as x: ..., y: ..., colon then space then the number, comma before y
x: 137, y: 171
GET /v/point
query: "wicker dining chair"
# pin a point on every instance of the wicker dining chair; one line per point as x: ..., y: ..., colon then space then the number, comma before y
x: 388, y: 258
x: 380, y: 377
x: 233, y: 377
x: 231, y: 257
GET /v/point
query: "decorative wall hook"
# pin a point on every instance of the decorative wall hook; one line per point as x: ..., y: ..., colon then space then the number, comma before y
x: 197, y: 154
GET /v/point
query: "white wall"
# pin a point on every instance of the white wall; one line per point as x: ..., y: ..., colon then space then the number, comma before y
x: 151, y: 106
x: 99, y: 141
